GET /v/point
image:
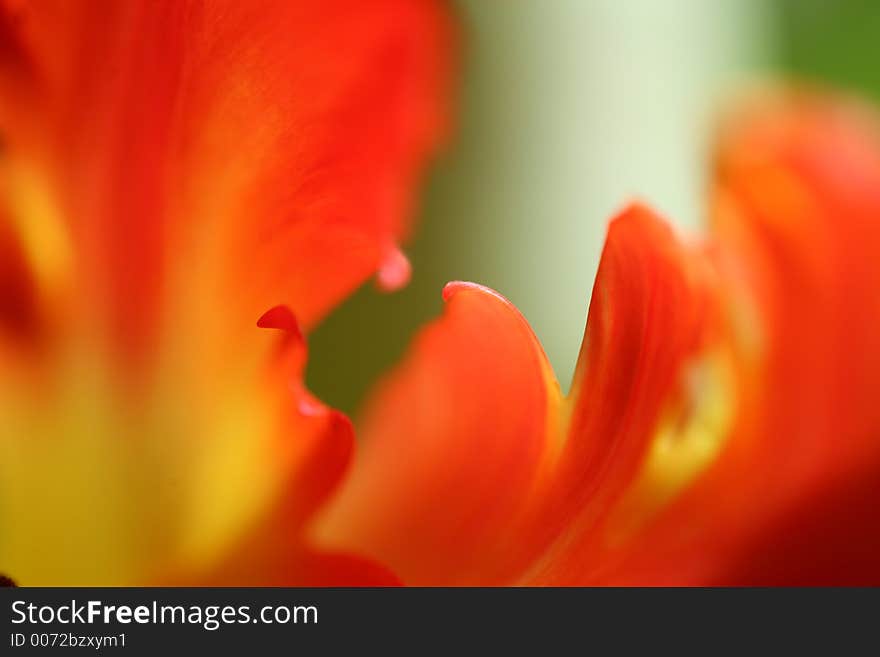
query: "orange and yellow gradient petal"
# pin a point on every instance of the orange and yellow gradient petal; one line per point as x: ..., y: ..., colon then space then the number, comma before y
x: 170, y: 171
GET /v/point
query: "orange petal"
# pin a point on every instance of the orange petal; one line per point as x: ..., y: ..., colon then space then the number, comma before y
x: 474, y: 468
x: 801, y: 179
x: 790, y: 500
x: 229, y: 156
x: 452, y: 446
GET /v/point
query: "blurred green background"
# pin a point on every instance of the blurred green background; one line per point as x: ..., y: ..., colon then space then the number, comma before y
x: 567, y: 109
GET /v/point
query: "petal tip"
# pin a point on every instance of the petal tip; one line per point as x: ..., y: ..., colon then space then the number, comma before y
x: 283, y: 319
x: 394, y: 271
x: 279, y: 317
x: 454, y: 287
x: 636, y: 213
x: 310, y: 407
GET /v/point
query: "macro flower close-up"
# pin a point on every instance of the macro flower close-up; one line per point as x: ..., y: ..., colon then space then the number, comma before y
x: 191, y: 192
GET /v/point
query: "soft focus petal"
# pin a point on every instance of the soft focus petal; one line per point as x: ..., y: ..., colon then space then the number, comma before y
x: 169, y: 172
x: 790, y: 500
x: 475, y: 470
x: 799, y: 183
x: 232, y: 155
x: 830, y: 537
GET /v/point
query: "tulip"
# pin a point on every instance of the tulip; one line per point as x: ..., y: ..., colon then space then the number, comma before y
x: 187, y: 188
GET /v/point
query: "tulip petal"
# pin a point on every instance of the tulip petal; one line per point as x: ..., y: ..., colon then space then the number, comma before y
x: 171, y: 171
x: 229, y: 155
x: 311, y: 452
x: 452, y: 445
x: 651, y: 401
x: 802, y: 179
x: 474, y: 468
x: 810, y: 205
x: 798, y: 221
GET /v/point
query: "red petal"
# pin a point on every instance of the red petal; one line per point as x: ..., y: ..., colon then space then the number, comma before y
x: 229, y: 156
x: 655, y: 323
x: 831, y: 537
